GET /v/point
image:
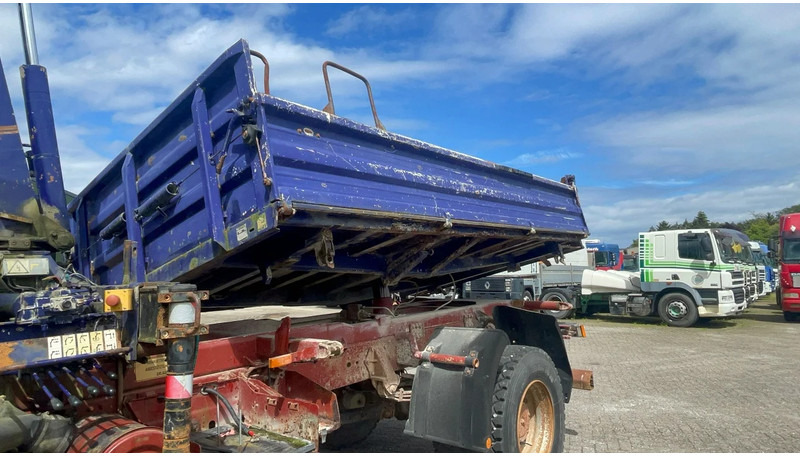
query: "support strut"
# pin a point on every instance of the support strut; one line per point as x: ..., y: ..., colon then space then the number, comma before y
x: 184, y: 306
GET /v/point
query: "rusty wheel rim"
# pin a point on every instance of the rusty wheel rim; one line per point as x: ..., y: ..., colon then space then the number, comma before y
x: 536, y: 420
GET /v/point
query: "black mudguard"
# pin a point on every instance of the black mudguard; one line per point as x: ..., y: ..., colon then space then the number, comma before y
x: 452, y: 404
x: 536, y: 330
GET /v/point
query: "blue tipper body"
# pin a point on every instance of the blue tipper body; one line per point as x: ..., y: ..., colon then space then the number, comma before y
x: 260, y: 199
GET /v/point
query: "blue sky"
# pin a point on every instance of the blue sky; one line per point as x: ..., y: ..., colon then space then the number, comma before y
x: 659, y: 110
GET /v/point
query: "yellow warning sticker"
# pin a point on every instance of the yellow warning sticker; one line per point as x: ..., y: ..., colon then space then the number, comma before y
x: 69, y: 344
x: 154, y: 367
x: 97, y: 341
x: 84, y: 345
x: 54, y: 347
x: 110, y: 339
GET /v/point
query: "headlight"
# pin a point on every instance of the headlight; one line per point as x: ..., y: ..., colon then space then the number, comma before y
x: 791, y: 295
x: 508, y: 285
x: 726, y: 297
x: 468, y: 286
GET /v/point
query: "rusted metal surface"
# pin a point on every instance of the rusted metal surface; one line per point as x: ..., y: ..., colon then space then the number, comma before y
x: 541, y: 305
x: 329, y: 107
x: 307, y: 350
x: 115, y: 434
x: 183, y: 323
x: 582, y: 379
x: 298, y: 399
x: 452, y: 360
x: 177, y: 425
x: 263, y: 59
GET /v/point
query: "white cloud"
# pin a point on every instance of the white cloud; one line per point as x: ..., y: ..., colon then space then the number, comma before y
x: 551, y: 32
x: 365, y: 19
x: 79, y: 163
x: 736, y: 69
x: 542, y: 156
x: 693, y: 142
x: 620, y: 219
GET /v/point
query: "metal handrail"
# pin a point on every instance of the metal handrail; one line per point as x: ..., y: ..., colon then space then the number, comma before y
x: 329, y: 107
x: 263, y: 59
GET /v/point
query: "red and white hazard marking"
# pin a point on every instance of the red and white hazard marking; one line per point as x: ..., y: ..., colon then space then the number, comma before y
x: 179, y: 386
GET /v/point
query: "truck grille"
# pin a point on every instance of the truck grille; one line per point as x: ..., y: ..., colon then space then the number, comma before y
x: 738, y: 295
x: 737, y: 275
x: 489, y: 285
x: 762, y: 275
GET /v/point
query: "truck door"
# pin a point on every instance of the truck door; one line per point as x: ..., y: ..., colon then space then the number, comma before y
x: 697, y: 252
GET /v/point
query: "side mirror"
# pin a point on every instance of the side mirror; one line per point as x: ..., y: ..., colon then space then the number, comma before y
x: 713, y: 263
x: 773, y: 245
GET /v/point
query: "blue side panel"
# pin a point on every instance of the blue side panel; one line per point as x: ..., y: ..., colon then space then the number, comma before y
x: 343, y: 164
x: 16, y: 188
x: 278, y: 201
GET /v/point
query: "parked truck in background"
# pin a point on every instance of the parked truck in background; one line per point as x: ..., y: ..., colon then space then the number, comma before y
x: 538, y: 281
x: 770, y: 274
x: 788, y: 249
x: 764, y: 283
x: 683, y: 275
x: 191, y: 317
x: 753, y: 283
x: 606, y: 256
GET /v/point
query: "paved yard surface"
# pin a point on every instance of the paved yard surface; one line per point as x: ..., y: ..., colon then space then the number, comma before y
x: 724, y: 386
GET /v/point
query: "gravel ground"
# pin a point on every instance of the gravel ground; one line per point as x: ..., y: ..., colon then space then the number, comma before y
x: 723, y: 386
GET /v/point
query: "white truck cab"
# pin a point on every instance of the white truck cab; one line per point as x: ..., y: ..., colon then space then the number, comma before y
x: 683, y: 275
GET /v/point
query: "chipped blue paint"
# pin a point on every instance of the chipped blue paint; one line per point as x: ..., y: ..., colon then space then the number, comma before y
x: 15, y: 185
x: 243, y: 209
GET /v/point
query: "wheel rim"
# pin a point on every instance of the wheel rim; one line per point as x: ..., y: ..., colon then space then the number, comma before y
x: 677, y: 310
x: 536, y: 420
x: 556, y: 313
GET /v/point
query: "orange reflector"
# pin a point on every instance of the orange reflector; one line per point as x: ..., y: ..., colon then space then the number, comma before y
x: 583, y: 331
x: 488, y: 443
x: 280, y: 361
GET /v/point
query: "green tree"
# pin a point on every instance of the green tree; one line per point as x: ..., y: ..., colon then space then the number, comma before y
x: 761, y: 230
x: 662, y: 225
x: 700, y: 221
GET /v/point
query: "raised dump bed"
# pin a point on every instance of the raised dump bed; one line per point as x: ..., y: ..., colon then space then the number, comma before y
x: 262, y: 200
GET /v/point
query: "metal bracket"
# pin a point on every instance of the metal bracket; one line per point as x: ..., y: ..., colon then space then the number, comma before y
x: 325, y: 249
x: 308, y: 350
x: 381, y: 373
x: 175, y: 331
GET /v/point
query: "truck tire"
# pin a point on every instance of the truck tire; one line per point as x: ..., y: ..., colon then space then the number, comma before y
x: 349, y: 434
x: 528, y: 403
x: 527, y: 296
x: 677, y: 309
x: 559, y: 295
x: 791, y: 316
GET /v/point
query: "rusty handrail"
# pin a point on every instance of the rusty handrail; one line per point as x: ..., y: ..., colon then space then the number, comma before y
x: 329, y: 107
x: 263, y: 59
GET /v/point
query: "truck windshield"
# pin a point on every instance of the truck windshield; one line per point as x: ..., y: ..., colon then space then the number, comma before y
x: 733, y: 250
x: 630, y: 263
x: 602, y: 258
x: 758, y: 257
x: 791, y: 251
